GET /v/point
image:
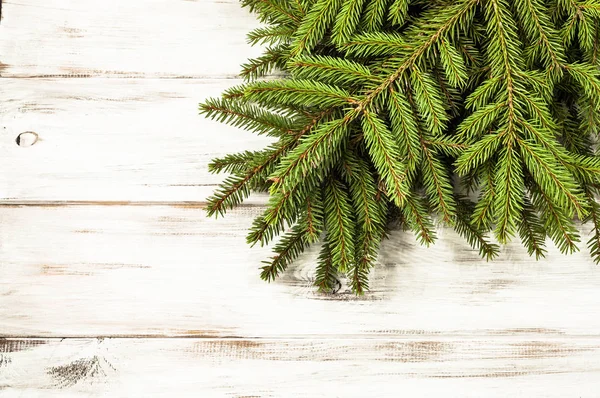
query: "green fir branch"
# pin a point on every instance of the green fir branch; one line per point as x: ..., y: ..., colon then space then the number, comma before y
x: 380, y: 103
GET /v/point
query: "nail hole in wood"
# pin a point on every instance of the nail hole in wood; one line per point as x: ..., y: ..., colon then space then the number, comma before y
x: 27, y: 138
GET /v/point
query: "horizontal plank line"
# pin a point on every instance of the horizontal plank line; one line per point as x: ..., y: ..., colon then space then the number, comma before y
x: 122, y: 76
x: 134, y: 75
x: 360, y: 337
x: 67, y: 9
x: 67, y: 203
x: 74, y: 203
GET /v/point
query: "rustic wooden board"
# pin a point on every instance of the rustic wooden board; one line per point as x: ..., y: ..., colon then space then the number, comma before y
x: 170, y: 271
x: 114, y: 284
x: 112, y: 139
x: 160, y: 38
x: 419, y: 367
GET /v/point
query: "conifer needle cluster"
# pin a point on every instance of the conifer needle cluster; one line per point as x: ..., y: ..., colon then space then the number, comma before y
x: 401, y: 111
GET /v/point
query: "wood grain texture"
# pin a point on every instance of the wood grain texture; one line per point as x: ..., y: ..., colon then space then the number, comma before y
x: 115, y: 284
x: 112, y: 139
x: 149, y: 38
x: 418, y: 367
x: 170, y: 271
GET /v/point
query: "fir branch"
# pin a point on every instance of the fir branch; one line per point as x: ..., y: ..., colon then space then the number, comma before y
x: 286, y: 251
x: 436, y: 178
x: 230, y: 193
x: 453, y: 63
x: 451, y: 16
x: 399, y: 12
x: 281, y: 209
x: 376, y: 44
x: 370, y: 220
x: 301, y: 6
x: 593, y: 216
x: 567, y: 32
x: 363, y: 189
x: 483, y: 94
x: 555, y: 181
x: 540, y: 112
x: 273, y: 58
x: 583, y: 167
x: 367, y: 246
x: 385, y: 155
x: 393, y: 97
x: 314, y: 25
x: 298, y: 92
x: 558, y: 226
x: 452, y: 96
x: 537, y: 25
x: 238, y: 187
x: 297, y: 240
x: 314, y: 216
x: 428, y: 101
x: 347, y: 20
x: 247, y: 116
x: 235, y: 189
x: 476, y: 237
x: 445, y: 145
x: 532, y: 232
x: 374, y: 15
x: 509, y: 191
x: 271, y: 11
x: 270, y: 35
x: 480, y: 121
x: 438, y: 185
x: 331, y: 70
x: 326, y: 272
x: 484, y: 209
x: 478, y: 153
x: 319, y: 150
x: 340, y: 225
x: 504, y: 43
x: 404, y: 127
x: 586, y: 32
x: 235, y: 93
x: 237, y: 163
x: 587, y: 78
x: 419, y: 221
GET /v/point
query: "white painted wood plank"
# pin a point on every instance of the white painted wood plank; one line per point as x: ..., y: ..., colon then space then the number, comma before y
x: 417, y: 367
x: 133, y: 38
x: 170, y: 271
x: 112, y: 140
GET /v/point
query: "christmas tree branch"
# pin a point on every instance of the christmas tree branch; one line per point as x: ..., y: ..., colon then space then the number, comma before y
x: 452, y: 15
x: 385, y: 155
x: 559, y: 227
x: 326, y: 271
x: 594, y: 216
x: 419, y: 221
x: 475, y: 236
x: 532, y: 232
x: 340, y: 225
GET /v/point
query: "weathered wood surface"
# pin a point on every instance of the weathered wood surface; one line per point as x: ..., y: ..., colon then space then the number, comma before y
x: 112, y: 139
x: 170, y: 271
x: 134, y: 38
x: 421, y: 366
x: 114, y: 284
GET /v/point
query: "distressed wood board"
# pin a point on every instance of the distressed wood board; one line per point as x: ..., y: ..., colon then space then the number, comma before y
x: 113, y: 283
x: 424, y: 366
x: 139, y: 38
x: 113, y: 139
x: 70, y: 271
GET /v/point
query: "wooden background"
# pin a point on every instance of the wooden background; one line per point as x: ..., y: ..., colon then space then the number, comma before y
x: 113, y: 283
